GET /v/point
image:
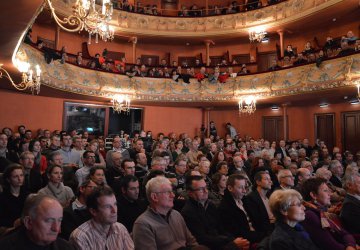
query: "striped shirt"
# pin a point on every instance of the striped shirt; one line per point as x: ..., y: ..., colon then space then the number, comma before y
x: 90, y: 235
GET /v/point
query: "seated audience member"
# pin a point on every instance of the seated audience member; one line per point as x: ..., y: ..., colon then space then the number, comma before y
x: 233, y: 216
x: 70, y: 156
x: 323, y: 227
x: 128, y: 167
x: 257, y: 203
x: 101, y: 231
x: 114, y: 170
x: 288, y: 233
x: 32, y: 177
x: 300, y: 59
x: 345, y: 49
x: 204, y: 169
x: 99, y: 159
x: 350, y: 211
x: 13, y: 196
x: 40, y: 162
x: 141, y: 167
x: 302, y: 174
x: 274, y: 65
x: 337, y: 171
x: 117, y: 146
x: 138, y: 147
x: 55, y: 186
x: 222, y: 168
x: 289, y: 51
x: 41, y: 219
x: 76, y: 213
x: 218, y: 187
x: 129, y: 204
x: 180, y: 170
x: 161, y: 227
x: 89, y: 162
x: 202, y: 218
x: 54, y: 146
x: 286, y: 179
x: 308, y: 49
x: 97, y: 175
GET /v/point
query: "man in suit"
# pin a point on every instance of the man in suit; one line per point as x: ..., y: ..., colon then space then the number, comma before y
x: 257, y: 203
x: 282, y: 150
x: 337, y: 171
x: 350, y: 211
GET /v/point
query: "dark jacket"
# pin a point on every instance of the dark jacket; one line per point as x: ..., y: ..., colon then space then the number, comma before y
x: 72, y: 219
x: 128, y: 211
x: 11, y: 207
x: 285, y: 237
x: 257, y: 212
x: 19, y: 241
x: 335, y: 181
x: 204, y: 224
x: 350, y: 214
x: 235, y: 221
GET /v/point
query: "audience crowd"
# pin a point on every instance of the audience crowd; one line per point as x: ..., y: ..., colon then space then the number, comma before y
x: 66, y: 190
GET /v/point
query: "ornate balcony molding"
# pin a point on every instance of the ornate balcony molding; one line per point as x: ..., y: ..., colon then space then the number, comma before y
x: 331, y: 74
x: 271, y: 16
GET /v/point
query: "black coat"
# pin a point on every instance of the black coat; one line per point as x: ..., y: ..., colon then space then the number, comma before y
x: 128, y: 211
x: 204, y: 224
x: 257, y: 212
x: 285, y: 237
x: 335, y: 181
x: 72, y: 219
x: 235, y: 221
x: 350, y: 214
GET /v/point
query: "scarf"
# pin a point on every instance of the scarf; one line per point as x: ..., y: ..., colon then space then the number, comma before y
x: 328, y: 220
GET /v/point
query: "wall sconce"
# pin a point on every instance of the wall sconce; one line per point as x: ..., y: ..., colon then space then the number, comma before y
x: 30, y: 79
x: 275, y: 108
x: 324, y: 105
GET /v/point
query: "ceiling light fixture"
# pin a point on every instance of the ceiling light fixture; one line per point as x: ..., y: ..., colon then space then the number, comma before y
x: 89, y: 17
x: 247, y: 104
x: 121, y: 103
x: 30, y: 80
x: 257, y: 34
x: 324, y: 105
x: 275, y: 108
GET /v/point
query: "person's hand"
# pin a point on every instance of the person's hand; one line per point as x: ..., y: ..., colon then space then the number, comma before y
x: 242, y: 243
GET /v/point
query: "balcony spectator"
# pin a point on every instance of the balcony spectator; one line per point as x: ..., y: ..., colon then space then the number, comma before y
x: 274, y: 65
x: 345, y: 49
x: 253, y: 4
x: 183, y: 11
x: 300, y: 60
x: 308, y: 49
x: 195, y: 11
x: 289, y: 51
x: 79, y: 60
x: 139, y: 8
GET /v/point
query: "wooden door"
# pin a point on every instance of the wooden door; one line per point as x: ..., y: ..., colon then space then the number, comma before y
x: 273, y: 128
x: 351, y: 131
x: 325, y: 129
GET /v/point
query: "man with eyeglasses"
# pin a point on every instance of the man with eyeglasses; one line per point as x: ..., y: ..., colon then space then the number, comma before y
x: 89, y: 162
x: 286, y: 179
x: 76, y: 213
x: 160, y: 227
x: 201, y: 217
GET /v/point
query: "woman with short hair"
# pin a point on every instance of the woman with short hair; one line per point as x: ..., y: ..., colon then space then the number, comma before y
x: 286, y: 206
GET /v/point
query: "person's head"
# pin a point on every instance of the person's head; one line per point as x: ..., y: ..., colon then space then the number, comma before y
x: 55, y: 158
x: 222, y: 167
x: 13, y: 176
x: 158, y: 163
x: 55, y: 141
x: 336, y: 168
x: 54, y: 173
x: 97, y: 175
x: 93, y: 146
x: 236, y: 185
x: 238, y: 162
x: 89, y: 158
x: 160, y: 194
x: 180, y: 166
x: 262, y: 181
x: 286, y: 206
x: 35, y: 146
x: 86, y: 188
x: 66, y: 141
x: 27, y: 160
x: 3, y: 141
x: 308, y: 165
x: 42, y: 216
x: 128, y: 167
x: 129, y: 187
x: 286, y: 161
x: 316, y: 191
x: 219, y: 181
x: 286, y: 179
x: 141, y: 159
x: 196, y: 188
x: 303, y: 174
x: 28, y: 134
x: 102, y: 205
x: 351, y: 183
x: 338, y: 156
x: 138, y: 145
x: 204, y: 167
x: 115, y: 159
x: 323, y: 173
x: 116, y: 142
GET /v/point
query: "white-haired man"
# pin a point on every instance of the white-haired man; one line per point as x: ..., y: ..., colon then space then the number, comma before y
x: 160, y: 227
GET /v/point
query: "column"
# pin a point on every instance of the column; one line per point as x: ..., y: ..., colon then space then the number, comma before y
x: 207, y: 44
x: 281, y: 36
x: 285, y: 121
x: 57, y: 37
x: 207, y: 7
x: 133, y: 40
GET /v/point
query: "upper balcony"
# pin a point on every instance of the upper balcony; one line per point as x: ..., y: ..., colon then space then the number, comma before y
x: 269, y: 17
x: 332, y: 74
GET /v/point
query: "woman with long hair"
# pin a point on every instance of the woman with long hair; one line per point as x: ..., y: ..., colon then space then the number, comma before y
x: 219, y: 156
x: 40, y: 162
